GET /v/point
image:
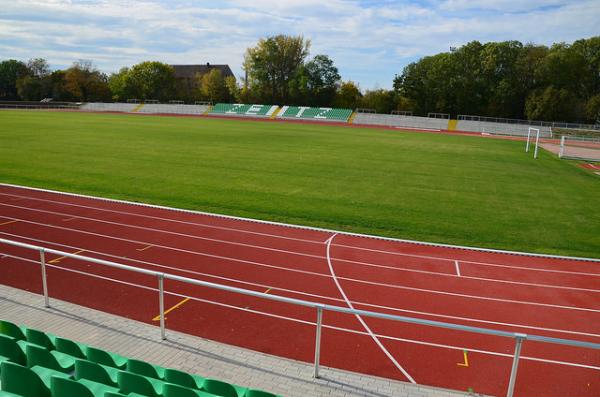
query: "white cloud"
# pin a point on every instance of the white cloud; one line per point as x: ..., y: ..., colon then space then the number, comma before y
x: 369, y: 41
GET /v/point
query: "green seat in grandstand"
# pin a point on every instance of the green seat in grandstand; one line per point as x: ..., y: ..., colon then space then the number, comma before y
x: 12, y: 330
x: 96, y: 372
x: 223, y: 389
x: 7, y: 394
x: 145, y: 369
x: 114, y: 394
x: 40, y: 338
x: 11, y: 350
x: 38, y: 356
x: 172, y: 390
x: 134, y: 383
x: 69, y: 347
x: 183, y: 378
x: 105, y: 358
x: 27, y: 382
x: 61, y: 387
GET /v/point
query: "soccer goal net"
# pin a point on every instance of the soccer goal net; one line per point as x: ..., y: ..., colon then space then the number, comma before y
x: 580, y: 147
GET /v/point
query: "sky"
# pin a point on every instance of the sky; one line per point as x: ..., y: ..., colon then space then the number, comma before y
x: 369, y: 41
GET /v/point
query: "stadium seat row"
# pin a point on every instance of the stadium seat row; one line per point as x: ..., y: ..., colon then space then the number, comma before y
x: 291, y: 112
x: 37, y: 364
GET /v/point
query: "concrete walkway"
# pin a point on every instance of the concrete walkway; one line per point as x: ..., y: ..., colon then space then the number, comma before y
x: 196, y: 355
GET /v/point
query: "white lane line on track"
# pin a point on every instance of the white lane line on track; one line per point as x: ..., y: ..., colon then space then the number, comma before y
x: 395, y: 253
x: 205, y: 225
x: 283, y: 225
x: 457, y: 268
x: 359, y: 318
x: 302, y: 293
x: 319, y: 274
x: 395, y: 268
x: 392, y: 338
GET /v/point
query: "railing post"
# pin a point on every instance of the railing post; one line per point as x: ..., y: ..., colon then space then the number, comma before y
x: 318, y: 340
x: 519, y: 338
x: 161, y: 304
x: 44, y: 282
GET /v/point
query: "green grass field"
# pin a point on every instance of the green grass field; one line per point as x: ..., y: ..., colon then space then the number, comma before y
x: 439, y: 188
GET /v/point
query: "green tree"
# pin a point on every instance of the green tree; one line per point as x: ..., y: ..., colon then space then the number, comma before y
x: 553, y: 104
x: 10, y: 71
x: 151, y: 80
x: 83, y: 82
x: 37, y: 84
x: 321, y: 81
x: 214, y: 87
x: 118, y: 84
x: 592, y: 110
x: 383, y: 101
x: 348, y: 96
x: 273, y: 65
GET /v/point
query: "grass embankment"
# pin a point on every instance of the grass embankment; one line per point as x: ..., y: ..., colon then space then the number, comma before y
x: 440, y: 188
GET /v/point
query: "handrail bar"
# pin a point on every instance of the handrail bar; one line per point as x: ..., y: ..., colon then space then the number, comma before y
x: 320, y: 307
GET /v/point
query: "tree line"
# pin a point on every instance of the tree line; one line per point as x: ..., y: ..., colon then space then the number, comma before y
x: 497, y: 79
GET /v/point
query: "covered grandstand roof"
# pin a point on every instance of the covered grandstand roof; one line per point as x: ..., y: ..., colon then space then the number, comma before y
x: 190, y: 71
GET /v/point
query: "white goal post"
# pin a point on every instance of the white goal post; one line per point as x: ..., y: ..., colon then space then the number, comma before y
x: 579, y: 148
x: 537, y: 140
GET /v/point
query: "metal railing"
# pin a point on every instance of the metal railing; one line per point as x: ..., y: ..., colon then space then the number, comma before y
x: 554, y: 124
x: 319, y: 307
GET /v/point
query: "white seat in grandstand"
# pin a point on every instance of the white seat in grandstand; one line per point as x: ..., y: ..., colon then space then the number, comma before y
x: 162, y: 108
x: 108, y: 107
x: 488, y: 127
x: 394, y: 120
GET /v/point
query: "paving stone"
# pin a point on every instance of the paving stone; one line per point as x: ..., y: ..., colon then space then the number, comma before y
x: 197, y: 355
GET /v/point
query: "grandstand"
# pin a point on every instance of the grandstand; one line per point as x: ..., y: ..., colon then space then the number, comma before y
x: 318, y: 114
x: 243, y: 110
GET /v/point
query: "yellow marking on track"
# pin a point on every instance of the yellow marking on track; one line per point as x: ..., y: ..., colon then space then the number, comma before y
x: 63, y: 257
x: 145, y: 248
x: 466, y: 360
x: 8, y: 223
x: 267, y: 291
x: 70, y: 219
x: 157, y: 318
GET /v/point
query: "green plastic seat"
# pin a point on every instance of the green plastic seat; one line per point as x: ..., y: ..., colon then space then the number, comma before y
x: 105, y: 358
x: 61, y: 387
x: 183, y: 378
x: 172, y: 390
x: 114, y: 394
x: 38, y: 356
x: 134, y: 383
x: 96, y: 372
x: 10, y: 349
x: 7, y: 394
x: 24, y: 381
x: 223, y: 389
x: 145, y: 369
x: 39, y: 338
x: 69, y: 347
x: 12, y: 330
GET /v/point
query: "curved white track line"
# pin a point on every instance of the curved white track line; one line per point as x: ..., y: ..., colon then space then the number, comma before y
x: 359, y: 318
x: 297, y: 320
x: 262, y: 287
x: 309, y: 272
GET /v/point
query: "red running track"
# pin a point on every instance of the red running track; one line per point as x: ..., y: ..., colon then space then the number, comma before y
x: 519, y: 293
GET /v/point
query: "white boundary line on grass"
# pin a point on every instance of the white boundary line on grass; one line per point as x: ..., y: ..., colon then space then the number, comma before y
x: 359, y: 318
x: 291, y: 291
x: 330, y: 231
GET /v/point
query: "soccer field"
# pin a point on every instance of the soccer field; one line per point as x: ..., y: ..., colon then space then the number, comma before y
x: 453, y: 189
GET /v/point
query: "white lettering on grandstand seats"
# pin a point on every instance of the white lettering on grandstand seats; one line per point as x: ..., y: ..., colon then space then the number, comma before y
x: 234, y: 108
x: 254, y: 109
x: 322, y: 112
x: 301, y: 110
